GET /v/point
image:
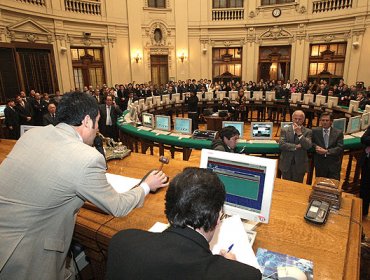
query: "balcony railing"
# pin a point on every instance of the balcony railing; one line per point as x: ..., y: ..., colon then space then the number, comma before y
x: 330, y: 5
x: 228, y: 14
x: 34, y: 2
x: 92, y: 7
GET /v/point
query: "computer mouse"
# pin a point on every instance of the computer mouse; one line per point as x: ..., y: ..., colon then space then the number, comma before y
x: 290, y: 273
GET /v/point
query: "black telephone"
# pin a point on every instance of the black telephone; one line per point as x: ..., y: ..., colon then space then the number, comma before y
x: 317, y: 212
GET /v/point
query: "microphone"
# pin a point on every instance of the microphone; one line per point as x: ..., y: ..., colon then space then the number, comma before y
x: 98, y: 144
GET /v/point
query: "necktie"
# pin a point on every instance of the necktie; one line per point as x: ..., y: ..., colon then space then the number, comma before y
x: 109, y: 120
x: 326, y: 138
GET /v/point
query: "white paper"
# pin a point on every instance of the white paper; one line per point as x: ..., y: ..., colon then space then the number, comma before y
x: 121, y: 183
x: 159, y: 227
x: 231, y: 231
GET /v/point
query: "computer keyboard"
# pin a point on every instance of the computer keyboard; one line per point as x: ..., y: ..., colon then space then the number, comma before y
x: 145, y: 128
x: 262, y: 141
x: 347, y: 136
x: 163, y: 132
x: 180, y: 135
x: 358, y: 134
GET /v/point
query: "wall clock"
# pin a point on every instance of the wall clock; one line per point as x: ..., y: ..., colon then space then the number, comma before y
x: 276, y: 12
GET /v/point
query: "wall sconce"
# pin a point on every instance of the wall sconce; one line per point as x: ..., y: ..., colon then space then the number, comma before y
x: 182, y: 56
x: 63, y: 49
x: 137, y: 57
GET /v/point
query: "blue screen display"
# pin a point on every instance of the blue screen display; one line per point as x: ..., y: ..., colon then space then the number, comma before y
x: 183, y: 125
x: 162, y: 123
x: 237, y: 125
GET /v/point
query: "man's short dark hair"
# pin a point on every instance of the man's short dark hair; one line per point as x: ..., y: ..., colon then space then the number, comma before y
x: 195, y: 198
x: 228, y: 132
x: 74, y: 106
x: 326, y: 114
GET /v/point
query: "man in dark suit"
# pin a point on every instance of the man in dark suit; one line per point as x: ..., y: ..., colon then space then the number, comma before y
x: 11, y: 119
x: 294, y: 142
x: 39, y: 109
x: 109, y: 114
x: 193, y: 207
x: 24, y: 109
x: 50, y: 117
x: 328, y: 144
x: 365, y: 173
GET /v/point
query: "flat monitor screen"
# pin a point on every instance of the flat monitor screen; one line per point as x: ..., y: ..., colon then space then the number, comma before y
x: 332, y: 101
x: 162, y: 123
x: 248, y: 180
x: 238, y: 125
x: 354, y: 124
x: 340, y: 124
x: 320, y: 100
x: 365, y: 121
x: 148, y: 120
x: 353, y: 106
x: 182, y: 125
x: 261, y: 130
x: 2, y: 108
x: 285, y: 124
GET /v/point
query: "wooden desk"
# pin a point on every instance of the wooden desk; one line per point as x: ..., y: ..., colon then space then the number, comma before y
x: 215, y: 122
x: 334, y: 248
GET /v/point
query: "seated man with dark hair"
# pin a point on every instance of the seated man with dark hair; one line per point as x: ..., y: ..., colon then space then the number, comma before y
x: 227, y: 140
x: 193, y: 207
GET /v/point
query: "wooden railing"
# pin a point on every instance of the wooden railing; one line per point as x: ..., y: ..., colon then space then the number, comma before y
x: 228, y: 14
x: 92, y: 7
x: 34, y: 2
x: 330, y: 5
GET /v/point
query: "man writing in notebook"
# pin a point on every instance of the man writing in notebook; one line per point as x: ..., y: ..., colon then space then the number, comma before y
x: 193, y: 207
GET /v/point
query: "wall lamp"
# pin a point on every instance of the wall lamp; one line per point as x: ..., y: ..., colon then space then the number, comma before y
x: 137, y: 57
x: 182, y: 57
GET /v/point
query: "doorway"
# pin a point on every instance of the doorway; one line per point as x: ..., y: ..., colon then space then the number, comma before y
x: 159, y: 69
x: 274, y: 63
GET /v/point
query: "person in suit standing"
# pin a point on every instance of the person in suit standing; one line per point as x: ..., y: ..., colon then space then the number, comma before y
x: 193, y: 206
x: 294, y: 142
x: 12, y: 120
x: 45, y: 204
x: 365, y: 173
x: 24, y: 109
x: 50, y: 117
x: 109, y: 113
x: 39, y: 109
x: 328, y: 144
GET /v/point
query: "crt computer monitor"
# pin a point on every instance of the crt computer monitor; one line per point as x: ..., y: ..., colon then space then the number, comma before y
x: 340, y: 124
x: 248, y: 180
x: 261, y: 130
x: 162, y: 123
x: 353, y: 106
x: 270, y: 95
x: 332, y: 101
x: 2, y: 108
x: 182, y: 125
x: 147, y: 120
x: 354, y: 124
x: 365, y: 121
x: 320, y: 100
x: 238, y: 125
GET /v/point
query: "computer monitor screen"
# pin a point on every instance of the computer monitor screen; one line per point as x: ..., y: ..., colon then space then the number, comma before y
x: 147, y: 120
x: 332, y: 101
x: 353, y: 106
x: 233, y: 94
x: 354, y: 124
x: 340, y: 124
x: 320, y: 100
x: 2, y: 108
x: 261, y: 130
x: 257, y: 95
x: 248, y: 180
x: 162, y: 123
x: 270, y: 95
x: 285, y: 124
x: 308, y: 98
x: 149, y: 101
x: 238, y: 125
x: 182, y: 125
x: 365, y: 121
x: 296, y: 96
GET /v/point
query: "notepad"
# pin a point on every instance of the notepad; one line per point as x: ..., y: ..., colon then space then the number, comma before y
x: 120, y: 183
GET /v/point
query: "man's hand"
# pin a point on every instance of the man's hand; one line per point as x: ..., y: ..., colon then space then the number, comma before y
x: 229, y: 255
x: 28, y: 118
x: 297, y: 129
x: 10, y: 127
x: 298, y: 146
x: 321, y: 150
x: 156, y: 179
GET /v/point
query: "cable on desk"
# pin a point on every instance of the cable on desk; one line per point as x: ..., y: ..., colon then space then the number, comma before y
x: 96, y: 237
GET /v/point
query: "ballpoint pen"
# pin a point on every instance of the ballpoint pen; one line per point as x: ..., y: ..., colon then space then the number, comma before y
x: 230, y: 247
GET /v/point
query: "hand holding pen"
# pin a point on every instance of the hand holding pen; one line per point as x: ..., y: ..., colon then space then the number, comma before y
x: 227, y: 253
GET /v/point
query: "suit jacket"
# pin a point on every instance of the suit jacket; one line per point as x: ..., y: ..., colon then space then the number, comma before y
x: 48, y: 119
x: 115, y: 113
x: 11, y: 117
x: 176, y: 253
x: 46, y: 197
x: 289, y: 155
x: 25, y: 112
x: 332, y: 162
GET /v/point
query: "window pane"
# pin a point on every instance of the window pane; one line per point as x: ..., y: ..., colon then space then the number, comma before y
x: 339, y: 69
x: 92, y: 77
x: 341, y: 49
x: 90, y: 52
x: 331, y: 68
x: 74, y: 53
x: 97, y: 55
x: 238, y: 70
x: 222, y: 4
x: 77, y: 75
x: 313, y: 69
x: 320, y: 67
x: 161, y: 4
x: 315, y: 50
x: 151, y: 3
x: 334, y: 48
x: 322, y: 48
